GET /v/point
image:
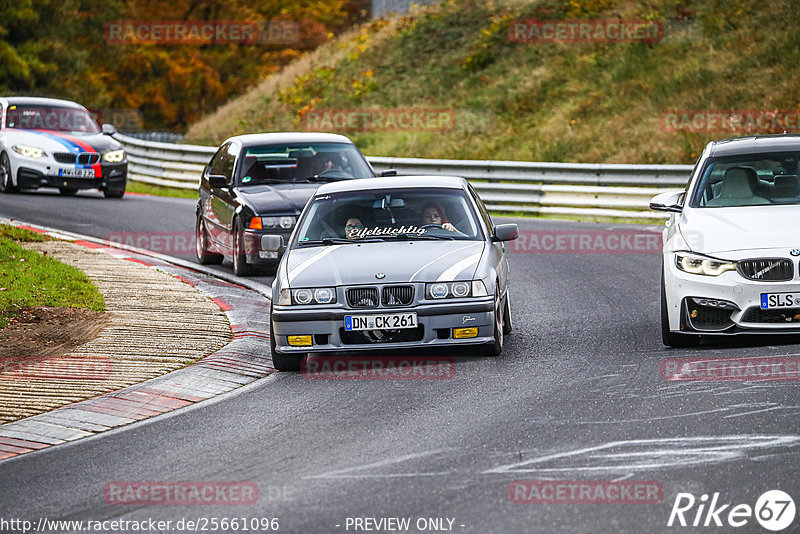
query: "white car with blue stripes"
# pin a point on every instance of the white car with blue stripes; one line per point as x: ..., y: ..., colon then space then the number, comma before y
x: 390, y: 263
x: 45, y: 142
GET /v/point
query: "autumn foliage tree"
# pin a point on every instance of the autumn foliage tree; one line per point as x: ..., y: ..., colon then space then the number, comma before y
x: 59, y: 49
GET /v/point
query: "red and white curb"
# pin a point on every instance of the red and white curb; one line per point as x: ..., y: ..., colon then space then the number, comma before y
x: 242, y: 361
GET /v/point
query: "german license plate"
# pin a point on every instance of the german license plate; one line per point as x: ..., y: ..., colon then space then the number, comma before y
x: 76, y: 173
x: 387, y: 321
x: 771, y: 301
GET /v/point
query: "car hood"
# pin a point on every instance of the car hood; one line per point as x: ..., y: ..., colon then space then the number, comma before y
x: 278, y: 198
x: 403, y: 261
x: 715, y: 230
x: 51, y: 141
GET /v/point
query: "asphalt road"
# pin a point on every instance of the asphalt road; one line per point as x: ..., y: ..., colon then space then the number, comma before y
x: 576, y: 396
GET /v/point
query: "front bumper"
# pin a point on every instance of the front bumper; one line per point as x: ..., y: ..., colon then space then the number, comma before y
x: 725, y: 304
x: 252, y: 245
x: 436, y: 321
x: 34, y: 174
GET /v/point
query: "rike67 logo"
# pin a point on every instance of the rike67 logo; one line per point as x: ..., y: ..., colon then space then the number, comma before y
x: 774, y: 510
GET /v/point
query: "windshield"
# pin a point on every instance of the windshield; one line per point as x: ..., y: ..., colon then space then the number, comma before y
x: 297, y: 162
x: 386, y: 215
x: 750, y: 180
x: 55, y: 118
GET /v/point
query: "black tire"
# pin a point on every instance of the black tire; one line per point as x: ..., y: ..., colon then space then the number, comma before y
x: 240, y: 266
x: 669, y: 338
x: 204, y: 257
x: 508, y: 326
x: 494, y: 349
x: 283, y: 362
x: 113, y: 193
x: 68, y: 191
x: 116, y: 192
x: 5, y: 175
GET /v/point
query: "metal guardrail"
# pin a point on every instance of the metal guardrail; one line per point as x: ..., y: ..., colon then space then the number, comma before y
x: 558, y: 189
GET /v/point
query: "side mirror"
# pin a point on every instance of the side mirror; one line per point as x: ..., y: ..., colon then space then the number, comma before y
x: 668, y: 201
x: 505, y: 232
x: 217, y: 181
x: 109, y: 129
x: 271, y: 243
x: 388, y: 172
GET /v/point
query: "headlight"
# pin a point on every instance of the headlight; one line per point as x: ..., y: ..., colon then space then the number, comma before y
x: 320, y: 295
x: 115, y: 156
x: 29, y: 151
x: 285, y: 221
x: 324, y: 295
x: 441, y: 290
x: 438, y: 291
x: 302, y: 296
x: 460, y: 289
x: 696, y: 264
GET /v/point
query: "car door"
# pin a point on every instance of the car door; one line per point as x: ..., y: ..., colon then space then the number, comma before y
x: 223, y: 202
x: 498, y: 248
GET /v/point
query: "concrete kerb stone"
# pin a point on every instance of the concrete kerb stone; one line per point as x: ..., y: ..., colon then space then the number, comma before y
x: 241, y: 361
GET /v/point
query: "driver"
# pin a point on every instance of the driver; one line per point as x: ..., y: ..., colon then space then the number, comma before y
x: 433, y: 213
x: 329, y: 162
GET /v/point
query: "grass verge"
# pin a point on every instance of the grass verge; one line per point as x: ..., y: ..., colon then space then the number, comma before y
x: 28, y: 278
x: 576, y: 101
x: 158, y: 190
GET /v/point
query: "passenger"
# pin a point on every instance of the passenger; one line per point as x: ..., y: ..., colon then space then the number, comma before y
x: 352, y: 228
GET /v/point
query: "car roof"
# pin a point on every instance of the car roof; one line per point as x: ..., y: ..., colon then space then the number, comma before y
x: 289, y: 137
x: 393, y: 182
x: 755, y: 144
x: 22, y: 100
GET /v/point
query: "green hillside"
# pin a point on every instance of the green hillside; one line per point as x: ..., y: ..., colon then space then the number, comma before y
x: 538, y: 101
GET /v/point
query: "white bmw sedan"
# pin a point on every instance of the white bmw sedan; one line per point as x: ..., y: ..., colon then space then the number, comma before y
x: 731, y: 245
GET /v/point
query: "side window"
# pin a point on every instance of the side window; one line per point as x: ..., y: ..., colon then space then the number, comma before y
x: 229, y: 161
x: 482, y: 209
x: 217, y: 165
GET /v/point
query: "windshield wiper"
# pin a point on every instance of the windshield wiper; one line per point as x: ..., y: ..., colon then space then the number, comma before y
x: 337, y: 241
x: 263, y: 181
x: 326, y: 241
x: 409, y: 237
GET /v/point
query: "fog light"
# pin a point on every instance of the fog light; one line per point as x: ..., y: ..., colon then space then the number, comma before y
x: 463, y: 333
x: 300, y: 341
x: 712, y: 303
